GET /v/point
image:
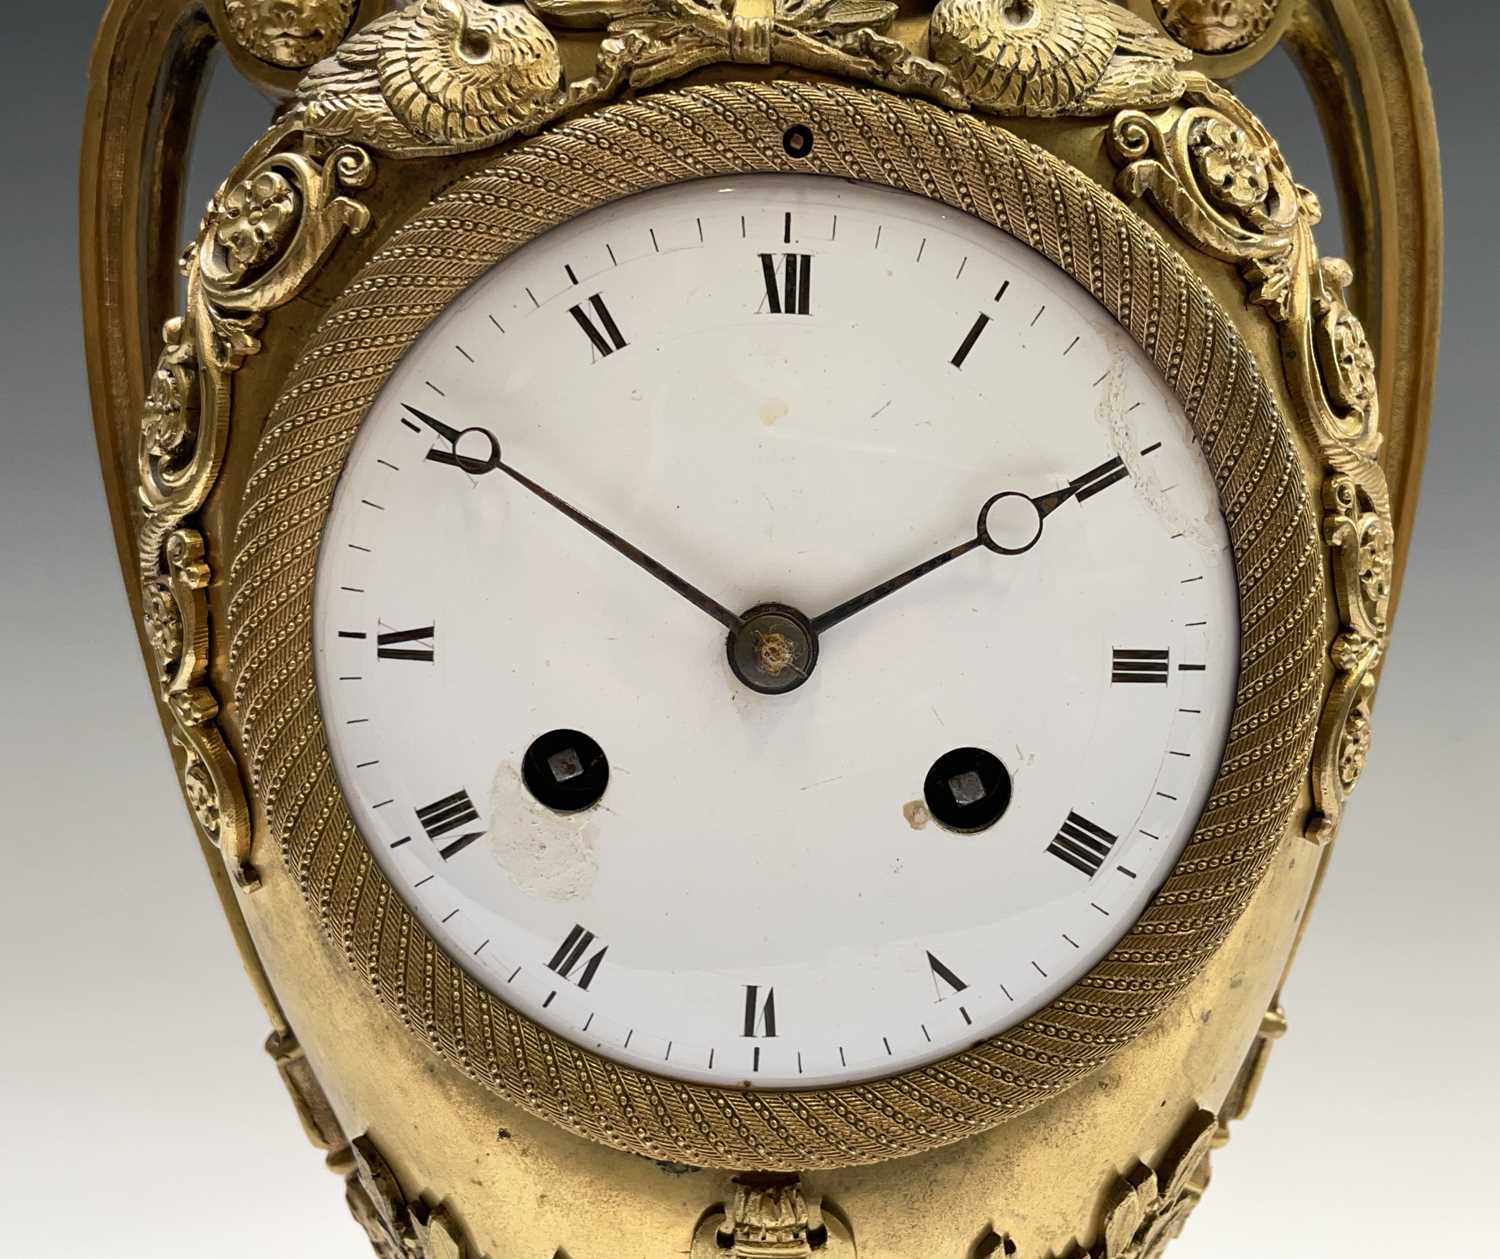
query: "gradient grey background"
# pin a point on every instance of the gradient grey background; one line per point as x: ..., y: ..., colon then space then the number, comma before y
x: 138, y: 1115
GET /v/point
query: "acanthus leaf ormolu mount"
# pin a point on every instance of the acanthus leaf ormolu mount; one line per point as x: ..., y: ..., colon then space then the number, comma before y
x: 759, y: 604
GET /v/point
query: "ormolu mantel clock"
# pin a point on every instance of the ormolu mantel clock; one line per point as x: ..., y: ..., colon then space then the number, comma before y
x: 766, y: 608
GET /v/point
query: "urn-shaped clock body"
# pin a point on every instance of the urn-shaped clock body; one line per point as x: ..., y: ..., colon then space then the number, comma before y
x: 770, y: 610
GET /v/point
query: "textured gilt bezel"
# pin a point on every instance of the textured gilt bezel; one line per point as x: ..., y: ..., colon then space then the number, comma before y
x: 881, y: 139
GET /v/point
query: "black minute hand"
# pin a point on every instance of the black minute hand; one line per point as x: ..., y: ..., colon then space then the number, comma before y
x: 493, y: 462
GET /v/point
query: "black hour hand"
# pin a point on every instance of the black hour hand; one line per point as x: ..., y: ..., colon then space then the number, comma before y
x: 474, y: 450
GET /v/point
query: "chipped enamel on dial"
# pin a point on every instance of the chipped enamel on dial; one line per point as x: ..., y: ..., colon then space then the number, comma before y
x: 763, y: 896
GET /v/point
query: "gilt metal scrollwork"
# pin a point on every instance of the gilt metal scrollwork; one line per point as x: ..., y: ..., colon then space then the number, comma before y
x: 1213, y: 171
x: 264, y: 236
x: 1216, y: 174
x: 1357, y: 528
x: 180, y: 448
x: 175, y: 612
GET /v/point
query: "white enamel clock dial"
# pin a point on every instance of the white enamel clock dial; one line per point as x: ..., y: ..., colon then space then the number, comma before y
x: 785, y: 871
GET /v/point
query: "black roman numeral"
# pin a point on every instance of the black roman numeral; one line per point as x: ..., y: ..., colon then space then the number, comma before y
x: 962, y: 353
x: 946, y: 981
x: 790, y: 292
x: 565, y: 961
x: 1139, y: 664
x: 393, y: 644
x: 605, y: 342
x: 446, y: 815
x: 1099, y: 479
x: 1082, y: 844
x: 760, y: 1016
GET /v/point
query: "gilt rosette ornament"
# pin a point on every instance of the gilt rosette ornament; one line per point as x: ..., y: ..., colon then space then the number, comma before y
x: 1217, y: 176
x: 257, y: 220
x: 264, y: 236
x: 170, y: 426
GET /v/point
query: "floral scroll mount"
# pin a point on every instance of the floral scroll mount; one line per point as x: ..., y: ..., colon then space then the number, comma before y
x: 1357, y: 529
x: 264, y: 237
x: 181, y: 445
x: 175, y: 459
x: 1339, y: 380
x: 175, y: 613
x: 1215, y: 174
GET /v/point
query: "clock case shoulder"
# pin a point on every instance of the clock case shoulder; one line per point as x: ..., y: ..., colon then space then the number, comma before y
x: 176, y: 464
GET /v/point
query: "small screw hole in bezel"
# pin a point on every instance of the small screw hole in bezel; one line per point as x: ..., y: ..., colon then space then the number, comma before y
x: 798, y: 141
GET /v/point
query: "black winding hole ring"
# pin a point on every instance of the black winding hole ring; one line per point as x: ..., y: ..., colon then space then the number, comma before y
x: 566, y: 771
x: 967, y: 790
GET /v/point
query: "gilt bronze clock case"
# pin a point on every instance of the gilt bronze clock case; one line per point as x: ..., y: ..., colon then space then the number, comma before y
x: 430, y: 143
